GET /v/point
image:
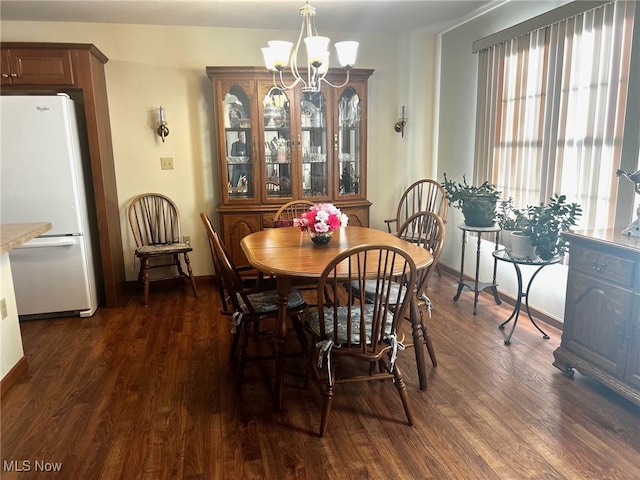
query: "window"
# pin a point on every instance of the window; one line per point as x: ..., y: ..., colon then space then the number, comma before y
x: 551, y: 111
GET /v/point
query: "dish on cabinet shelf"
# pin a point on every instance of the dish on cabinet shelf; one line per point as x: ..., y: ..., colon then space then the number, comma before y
x: 237, y: 160
x: 342, y: 111
x: 315, y: 158
x: 236, y: 114
x: 309, y: 108
x: 350, y: 112
x: 233, y: 111
x: 274, y: 116
x: 311, y: 115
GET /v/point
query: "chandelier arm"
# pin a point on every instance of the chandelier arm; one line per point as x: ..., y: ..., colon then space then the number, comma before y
x: 336, y: 86
x: 283, y: 85
x: 320, y: 78
x: 294, y: 55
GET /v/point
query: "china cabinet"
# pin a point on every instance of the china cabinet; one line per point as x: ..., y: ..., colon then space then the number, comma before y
x: 276, y: 145
x: 78, y: 70
x: 601, y: 332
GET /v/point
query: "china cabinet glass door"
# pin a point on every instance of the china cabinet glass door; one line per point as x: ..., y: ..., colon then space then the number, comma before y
x: 277, y: 143
x: 349, y: 149
x: 313, y: 143
x: 238, y: 135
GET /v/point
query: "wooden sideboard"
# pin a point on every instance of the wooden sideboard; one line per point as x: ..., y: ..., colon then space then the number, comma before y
x: 601, y: 333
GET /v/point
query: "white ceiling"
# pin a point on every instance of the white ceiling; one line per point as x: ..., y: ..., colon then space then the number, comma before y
x: 383, y: 16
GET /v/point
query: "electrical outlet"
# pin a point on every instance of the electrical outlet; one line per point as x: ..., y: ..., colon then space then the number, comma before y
x: 186, y: 239
x: 3, y: 308
x: 166, y: 163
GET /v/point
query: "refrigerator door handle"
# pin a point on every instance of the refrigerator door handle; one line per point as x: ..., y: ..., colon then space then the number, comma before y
x: 49, y: 242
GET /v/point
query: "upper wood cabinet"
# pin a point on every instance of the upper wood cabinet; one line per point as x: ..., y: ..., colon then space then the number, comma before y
x: 78, y: 70
x: 33, y: 66
x: 275, y: 145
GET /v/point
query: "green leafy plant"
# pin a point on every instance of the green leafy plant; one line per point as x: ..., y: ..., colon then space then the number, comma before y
x: 548, y: 221
x: 478, y: 203
x: 509, y: 217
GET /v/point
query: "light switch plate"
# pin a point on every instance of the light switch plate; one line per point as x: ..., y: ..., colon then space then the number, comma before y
x: 166, y: 163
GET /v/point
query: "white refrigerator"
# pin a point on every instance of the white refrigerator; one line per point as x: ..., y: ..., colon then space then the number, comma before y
x: 42, y: 180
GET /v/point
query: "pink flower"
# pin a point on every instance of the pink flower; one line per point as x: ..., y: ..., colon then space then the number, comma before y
x: 322, y: 217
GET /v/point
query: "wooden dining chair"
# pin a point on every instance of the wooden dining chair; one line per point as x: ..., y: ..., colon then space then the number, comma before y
x: 251, y: 277
x: 155, y: 224
x: 427, y: 230
x: 425, y: 195
x: 290, y: 210
x: 250, y: 305
x: 284, y: 218
x: 348, y: 329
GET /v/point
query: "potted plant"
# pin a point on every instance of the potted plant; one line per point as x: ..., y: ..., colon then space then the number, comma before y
x: 478, y: 203
x: 510, y: 219
x: 548, y: 221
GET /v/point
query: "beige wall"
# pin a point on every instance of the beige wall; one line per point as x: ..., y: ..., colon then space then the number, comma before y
x: 158, y: 65
x: 10, y: 339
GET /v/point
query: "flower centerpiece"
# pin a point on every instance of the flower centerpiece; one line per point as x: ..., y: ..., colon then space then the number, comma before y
x: 321, y: 221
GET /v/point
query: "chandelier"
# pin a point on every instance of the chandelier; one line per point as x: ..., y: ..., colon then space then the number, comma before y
x: 276, y: 56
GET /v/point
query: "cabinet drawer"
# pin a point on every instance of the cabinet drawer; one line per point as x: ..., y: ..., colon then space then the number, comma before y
x: 358, y: 216
x: 602, y: 265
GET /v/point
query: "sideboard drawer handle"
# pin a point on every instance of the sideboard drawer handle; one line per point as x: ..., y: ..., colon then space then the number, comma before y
x: 599, y: 267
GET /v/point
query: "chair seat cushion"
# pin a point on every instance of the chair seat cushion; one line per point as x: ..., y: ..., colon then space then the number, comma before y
x: 283, y: 223
x: 164, y: 249
x: 313, y: 321
x: 370, y: 290
x: 267, y: 301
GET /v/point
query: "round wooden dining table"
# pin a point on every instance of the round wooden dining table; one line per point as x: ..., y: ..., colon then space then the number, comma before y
x: 288, y: 253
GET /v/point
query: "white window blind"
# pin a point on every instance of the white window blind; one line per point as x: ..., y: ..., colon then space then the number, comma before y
x: 551, y: 111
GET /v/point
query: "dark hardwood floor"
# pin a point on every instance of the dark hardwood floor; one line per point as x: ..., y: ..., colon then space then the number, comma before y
x: 147, y: 393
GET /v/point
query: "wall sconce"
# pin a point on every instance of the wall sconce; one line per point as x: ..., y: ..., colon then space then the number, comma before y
x: 162, y: 130
x: 400, y: 124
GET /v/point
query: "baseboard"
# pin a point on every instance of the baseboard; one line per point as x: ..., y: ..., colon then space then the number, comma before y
x: 13, y: 375
x: 131, y: 284
x: 539, y: 315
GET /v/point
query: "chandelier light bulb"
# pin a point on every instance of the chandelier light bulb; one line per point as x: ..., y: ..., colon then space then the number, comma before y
x: 347, y: 53
x: 316, y: 49
x: 267, y: 54
x: 280, y: 51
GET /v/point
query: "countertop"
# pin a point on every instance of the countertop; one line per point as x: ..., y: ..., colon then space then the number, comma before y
x: 13, y: 235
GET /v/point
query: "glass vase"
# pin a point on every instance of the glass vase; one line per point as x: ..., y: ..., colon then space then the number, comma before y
x: 320, y: 238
